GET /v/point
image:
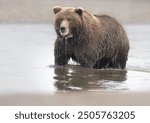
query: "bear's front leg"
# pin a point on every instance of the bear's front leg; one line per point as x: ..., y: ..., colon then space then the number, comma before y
x: 60, y: 52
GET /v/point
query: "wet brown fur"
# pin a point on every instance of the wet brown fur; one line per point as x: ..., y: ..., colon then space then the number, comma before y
x: 97, y: 42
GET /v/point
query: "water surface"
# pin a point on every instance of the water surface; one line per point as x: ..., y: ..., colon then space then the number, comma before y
x: 27, y: 63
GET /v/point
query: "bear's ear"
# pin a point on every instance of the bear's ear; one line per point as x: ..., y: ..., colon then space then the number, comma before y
x: 56, y: 9
x: 79, y: 10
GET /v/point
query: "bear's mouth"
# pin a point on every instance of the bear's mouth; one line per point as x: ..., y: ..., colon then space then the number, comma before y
x: 68, y: 36
x: 65, y: 35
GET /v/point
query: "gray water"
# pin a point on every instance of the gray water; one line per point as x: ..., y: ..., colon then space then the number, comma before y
x: 27, y: 63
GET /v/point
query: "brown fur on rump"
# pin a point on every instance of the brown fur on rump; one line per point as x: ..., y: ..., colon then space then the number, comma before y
x: 96, y: 42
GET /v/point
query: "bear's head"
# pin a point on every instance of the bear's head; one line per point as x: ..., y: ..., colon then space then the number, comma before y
x: 68, y: 21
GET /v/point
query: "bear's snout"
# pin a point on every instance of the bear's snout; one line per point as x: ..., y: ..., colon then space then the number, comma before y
x: 64, y: 28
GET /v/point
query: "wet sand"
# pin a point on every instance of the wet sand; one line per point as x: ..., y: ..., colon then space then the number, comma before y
x: 78, y: 99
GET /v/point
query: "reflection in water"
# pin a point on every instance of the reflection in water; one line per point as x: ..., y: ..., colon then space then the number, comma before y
x: 77, y: 78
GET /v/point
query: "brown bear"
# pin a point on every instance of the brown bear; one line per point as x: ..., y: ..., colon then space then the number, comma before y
x: 94, y: 41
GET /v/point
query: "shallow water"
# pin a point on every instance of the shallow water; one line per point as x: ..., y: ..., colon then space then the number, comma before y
x: 27, y: 63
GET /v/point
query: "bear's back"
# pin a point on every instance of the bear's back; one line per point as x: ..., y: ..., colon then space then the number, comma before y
x: 106, y: 18
x: 112, y: 27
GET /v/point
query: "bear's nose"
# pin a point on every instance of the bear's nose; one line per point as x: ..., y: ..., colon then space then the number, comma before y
x: 62, y: 29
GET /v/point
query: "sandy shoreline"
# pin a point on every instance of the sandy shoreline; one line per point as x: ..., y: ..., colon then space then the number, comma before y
x: 78, y: 99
